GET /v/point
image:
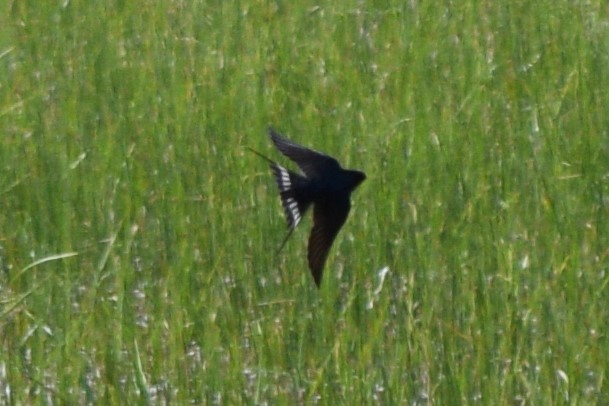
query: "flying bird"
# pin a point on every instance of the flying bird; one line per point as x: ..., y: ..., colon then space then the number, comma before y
x: 323, y: 184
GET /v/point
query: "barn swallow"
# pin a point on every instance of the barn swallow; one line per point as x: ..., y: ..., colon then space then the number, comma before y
x: 323, y: 184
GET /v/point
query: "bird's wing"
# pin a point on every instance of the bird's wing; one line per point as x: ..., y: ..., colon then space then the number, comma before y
x: 312, y: 163
x: 328, y: 219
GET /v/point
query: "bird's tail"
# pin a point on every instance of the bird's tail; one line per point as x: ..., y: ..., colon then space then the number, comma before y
x: 261, y: 155
x: 293, y: 193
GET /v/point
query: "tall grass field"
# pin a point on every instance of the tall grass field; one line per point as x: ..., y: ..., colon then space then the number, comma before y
x: 139, y: 235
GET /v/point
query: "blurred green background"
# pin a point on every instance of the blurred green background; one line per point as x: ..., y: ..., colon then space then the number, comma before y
x: 138, y: 235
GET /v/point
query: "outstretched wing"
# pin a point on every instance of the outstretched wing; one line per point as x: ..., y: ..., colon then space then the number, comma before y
x: 312, y: 163
x: 328, y: 219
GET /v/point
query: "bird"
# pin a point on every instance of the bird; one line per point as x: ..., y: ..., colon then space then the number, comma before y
x: 323, y: 184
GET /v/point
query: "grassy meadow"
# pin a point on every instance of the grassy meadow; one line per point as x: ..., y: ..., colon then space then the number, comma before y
x: 138, y: 235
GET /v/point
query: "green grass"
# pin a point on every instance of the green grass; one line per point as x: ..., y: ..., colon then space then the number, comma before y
x: 138, y: 234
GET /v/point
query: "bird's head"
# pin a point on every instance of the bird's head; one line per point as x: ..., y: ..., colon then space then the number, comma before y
x: 356, y: 177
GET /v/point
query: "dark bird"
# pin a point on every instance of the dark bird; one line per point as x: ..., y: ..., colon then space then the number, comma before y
x: 325, y: 185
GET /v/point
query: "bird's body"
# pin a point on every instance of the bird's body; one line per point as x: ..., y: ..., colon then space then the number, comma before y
x: 325, y: 185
